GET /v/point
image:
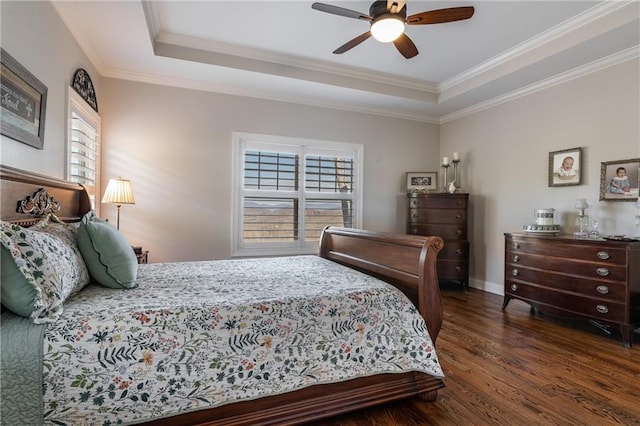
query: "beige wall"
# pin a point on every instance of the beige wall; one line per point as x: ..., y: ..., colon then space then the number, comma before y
x: 505, y: 152
x: 33, y: 33
x: 176, y: 147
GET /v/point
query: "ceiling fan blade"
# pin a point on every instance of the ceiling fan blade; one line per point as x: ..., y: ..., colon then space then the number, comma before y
x: 405, y: 46
x: 440, y: 16
x: 352, y: 43
x: 341, y: 11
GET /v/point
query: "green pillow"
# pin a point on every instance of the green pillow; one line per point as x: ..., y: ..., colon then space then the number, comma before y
x: 17, y: 293
x: 108, y: 255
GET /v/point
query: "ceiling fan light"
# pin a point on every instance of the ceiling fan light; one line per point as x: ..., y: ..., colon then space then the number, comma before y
x: 387, y: 28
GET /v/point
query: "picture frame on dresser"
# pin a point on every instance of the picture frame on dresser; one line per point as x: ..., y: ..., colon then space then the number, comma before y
x: 565, y: 167
x: 24, y: 103
x: 422, y: 181
x: 620, y: 180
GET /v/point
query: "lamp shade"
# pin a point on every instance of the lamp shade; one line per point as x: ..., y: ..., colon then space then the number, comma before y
x: 387, y: 28
x: 119, y: 191
x: 581, y: 204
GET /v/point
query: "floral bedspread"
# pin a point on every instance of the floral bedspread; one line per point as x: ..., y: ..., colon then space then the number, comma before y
x: 201, y: 334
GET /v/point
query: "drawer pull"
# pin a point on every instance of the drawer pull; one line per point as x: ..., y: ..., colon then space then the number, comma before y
x: 414, y: 216
x: 459, y: 232
x: 514, y: 287
x: 603, y: 255
x: 603, y: 272
x: 458, y: 217
x: 516, y: 245
x: 515, y: 272
x: 458, y: 269
x: 459, y: 251
x: 516, y: 258
x: 602, y: 309
x: 602, y: 289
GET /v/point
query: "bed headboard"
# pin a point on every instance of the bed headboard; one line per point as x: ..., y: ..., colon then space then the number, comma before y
x: 27, y: 196
x: 406, y: 261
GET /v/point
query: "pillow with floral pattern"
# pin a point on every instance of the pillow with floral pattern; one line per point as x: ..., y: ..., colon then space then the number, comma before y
x: 67, y: 232
x: 41, y: 268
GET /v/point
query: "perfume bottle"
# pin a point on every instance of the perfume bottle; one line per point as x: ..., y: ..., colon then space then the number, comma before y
x: 594, y: 228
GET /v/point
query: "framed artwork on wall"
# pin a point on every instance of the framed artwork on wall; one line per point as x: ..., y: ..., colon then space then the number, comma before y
x: 422, y: 181
x: 565, y: 167
x: 620, y: 180
x: 23, y: 103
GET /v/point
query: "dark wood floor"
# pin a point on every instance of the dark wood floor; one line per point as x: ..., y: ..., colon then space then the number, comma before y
x: 513, y: 368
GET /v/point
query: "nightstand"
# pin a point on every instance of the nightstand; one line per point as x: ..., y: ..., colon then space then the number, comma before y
x: 141, y: 255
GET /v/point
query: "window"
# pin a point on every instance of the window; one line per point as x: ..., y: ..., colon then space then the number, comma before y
x: 286, y: 190
x: 83, y: 159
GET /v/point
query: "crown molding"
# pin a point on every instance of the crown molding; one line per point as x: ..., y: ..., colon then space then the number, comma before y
x: 603, y: 17
x: 230, y: 56
x: 579, y: 72
x: 239, y: 91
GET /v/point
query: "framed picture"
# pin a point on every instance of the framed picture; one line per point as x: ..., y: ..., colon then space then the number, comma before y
x: 620, y: 180
x: 24, y: 103
x: 565, y: 167
x: 422, y: 181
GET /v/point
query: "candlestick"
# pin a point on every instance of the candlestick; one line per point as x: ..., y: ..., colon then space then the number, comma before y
x: 445, y: 166
x: 456, y: 162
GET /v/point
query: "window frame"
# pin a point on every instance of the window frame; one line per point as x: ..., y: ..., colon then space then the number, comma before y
x: 78, y: 105
x: 243, y: 142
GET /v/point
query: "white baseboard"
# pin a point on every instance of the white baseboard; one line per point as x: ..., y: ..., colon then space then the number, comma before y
x: 487, y: 286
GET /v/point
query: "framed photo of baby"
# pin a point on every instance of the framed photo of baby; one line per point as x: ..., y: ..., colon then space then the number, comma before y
x: 620, y: 180
x: 565, y: 167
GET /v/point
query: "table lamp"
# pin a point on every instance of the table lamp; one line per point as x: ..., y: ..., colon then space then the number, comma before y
x: 582, y: 221
x: 118, y: 192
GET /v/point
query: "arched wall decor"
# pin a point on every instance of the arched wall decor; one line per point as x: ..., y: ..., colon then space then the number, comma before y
x: 84, y: 86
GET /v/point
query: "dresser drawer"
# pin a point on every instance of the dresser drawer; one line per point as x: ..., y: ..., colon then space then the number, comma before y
x: 571, y: 303
x: 452, y: 269
x: 614, y: 291
x: 455, y: 250
x: 589, y: 270
x: 444, y: 201
x: 588, y: 252
x: 447, y: 232
x: 437, y: 216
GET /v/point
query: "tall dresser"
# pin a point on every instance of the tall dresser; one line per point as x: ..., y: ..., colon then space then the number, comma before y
x: 443, y: 215
x: 596, y: 280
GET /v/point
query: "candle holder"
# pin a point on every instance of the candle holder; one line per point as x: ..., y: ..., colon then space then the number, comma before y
x: 456, y: 182
x: 445, y: 168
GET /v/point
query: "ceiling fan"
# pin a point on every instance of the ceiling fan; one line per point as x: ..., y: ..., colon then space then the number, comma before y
x: 388, y: 19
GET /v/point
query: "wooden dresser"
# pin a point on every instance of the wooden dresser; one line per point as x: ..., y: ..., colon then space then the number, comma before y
x: 443, y: 215
x: 583, y: 278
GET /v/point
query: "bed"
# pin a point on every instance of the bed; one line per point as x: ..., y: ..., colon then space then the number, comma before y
x: 381, y: 345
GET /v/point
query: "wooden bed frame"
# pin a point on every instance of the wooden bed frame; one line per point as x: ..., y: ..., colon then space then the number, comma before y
x: 405, y: 261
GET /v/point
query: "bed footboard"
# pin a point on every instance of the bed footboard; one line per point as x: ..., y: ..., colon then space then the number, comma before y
x: 406, y: 261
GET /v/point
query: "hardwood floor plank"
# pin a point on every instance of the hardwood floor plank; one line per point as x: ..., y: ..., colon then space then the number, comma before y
x: 515, y: 367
